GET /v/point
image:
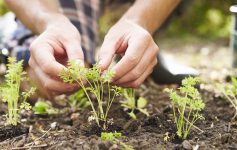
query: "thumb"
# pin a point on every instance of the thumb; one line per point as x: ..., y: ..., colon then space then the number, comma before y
x: 74, y: 51
x: 108, y: 50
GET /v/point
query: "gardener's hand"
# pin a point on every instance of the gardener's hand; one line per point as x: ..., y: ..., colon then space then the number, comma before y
x: 139, y: 51
x: 50, y: 53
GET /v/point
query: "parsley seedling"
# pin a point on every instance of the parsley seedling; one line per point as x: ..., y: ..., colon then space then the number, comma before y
x: 44, y: 108
x: 230, y: 92
x: 130, y: 102
x: 114, y: 137
x: 10, y: 91
x: 186, y: 106
x: 96, y: 86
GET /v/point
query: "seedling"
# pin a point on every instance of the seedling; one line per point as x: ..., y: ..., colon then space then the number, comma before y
x: 131, y: 104
x: 96, y: 86
x: 186, y: 106
x: 44, y: 108
x: 230, y: 92
x: 114, y: 137
x: 10, y: 91
x: 78, y: 100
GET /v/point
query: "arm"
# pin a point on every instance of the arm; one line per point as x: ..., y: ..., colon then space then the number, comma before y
x: 150, y: 14
x: 35, y: 14
x: 131, y: 36
x: 58, y: 41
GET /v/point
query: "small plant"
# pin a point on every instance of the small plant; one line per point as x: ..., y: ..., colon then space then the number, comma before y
x: 186, y: 106
x: 44, y: 108
x: 96, y: 86
x: 78, y: 100
x: 131, y: 104
x: 114, y: 137
x: 230, y: 92
x: 10, y: 91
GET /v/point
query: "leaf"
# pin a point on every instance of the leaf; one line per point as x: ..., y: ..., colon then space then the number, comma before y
x: 141, y: 102
x: 110, y: 136
x: 44, y: 108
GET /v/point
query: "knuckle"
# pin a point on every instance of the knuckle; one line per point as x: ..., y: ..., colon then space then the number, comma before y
x: 46, y: 67
x: 135, y: 73
x: 30, y: 62
x: 133, y: 59
x: 33, y: 46
x: 147, y: 35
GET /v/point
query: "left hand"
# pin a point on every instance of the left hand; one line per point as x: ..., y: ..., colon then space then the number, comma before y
x: 139, y: 51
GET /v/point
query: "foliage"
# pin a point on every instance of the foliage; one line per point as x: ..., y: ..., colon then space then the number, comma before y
x: 186, y: 106
x: 210, y: 19
x: 97, y: 84
x: 201, y: 18
x: 44, y: 108
x: 78, y: 100
x: 230, y: 92
x: 114, y: 137
x: 131, y: 104
x: 10, y: 91
x: 3, y: 8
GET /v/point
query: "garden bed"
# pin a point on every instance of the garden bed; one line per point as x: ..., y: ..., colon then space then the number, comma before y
x: 71, y: 130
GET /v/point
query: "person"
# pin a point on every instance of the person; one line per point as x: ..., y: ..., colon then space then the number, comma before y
x: 67, y: 30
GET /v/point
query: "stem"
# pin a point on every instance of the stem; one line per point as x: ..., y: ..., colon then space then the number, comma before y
x: 92, y: 106
x: 186, y: 124
x: 190, y: 124
x: 107, y: 110
x: 174, y: 112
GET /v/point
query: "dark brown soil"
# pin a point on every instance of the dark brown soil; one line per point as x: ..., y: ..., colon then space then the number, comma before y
x: 72, y: 130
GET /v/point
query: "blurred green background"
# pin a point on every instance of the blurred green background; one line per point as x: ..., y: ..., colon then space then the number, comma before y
x: 202, y: 18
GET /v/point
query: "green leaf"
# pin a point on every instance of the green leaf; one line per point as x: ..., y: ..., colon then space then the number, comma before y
x: 110, y: 136
x: 44, y: 108
x: 141, y: 102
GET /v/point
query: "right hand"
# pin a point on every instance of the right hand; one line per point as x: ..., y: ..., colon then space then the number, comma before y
x: 50, y: 53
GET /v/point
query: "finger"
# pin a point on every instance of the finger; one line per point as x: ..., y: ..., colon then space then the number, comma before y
x: 134, y: 53
x: 136, y: 83
x: 51, y: 84
x: 43, y: 55
x: 108, y: 49
x: 149, y: 58
x: 74, y: 50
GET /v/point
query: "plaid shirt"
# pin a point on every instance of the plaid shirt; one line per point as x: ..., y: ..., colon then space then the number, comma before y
x: 83, y: 14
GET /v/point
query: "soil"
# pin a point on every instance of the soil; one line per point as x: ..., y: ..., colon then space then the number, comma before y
x: 71, y: 129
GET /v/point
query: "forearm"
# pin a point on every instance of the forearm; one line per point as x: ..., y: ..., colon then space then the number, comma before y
x: 150, y: 14
x: 37, y: 15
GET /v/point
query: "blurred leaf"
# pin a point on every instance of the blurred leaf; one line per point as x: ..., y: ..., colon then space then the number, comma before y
x: 141, y: 102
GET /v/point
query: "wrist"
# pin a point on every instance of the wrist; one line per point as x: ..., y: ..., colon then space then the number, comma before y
x: 48, y: 20
x: 136, y: 21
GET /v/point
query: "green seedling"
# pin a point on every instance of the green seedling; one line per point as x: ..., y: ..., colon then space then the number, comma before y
x: 131, y: 104
x: 186, y: 106
x: 96, y: 86
x: 78, y: 100
x: 10, y: 91
x: 44, y: 108
x: 230, y: 92
x: 114, y: 138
